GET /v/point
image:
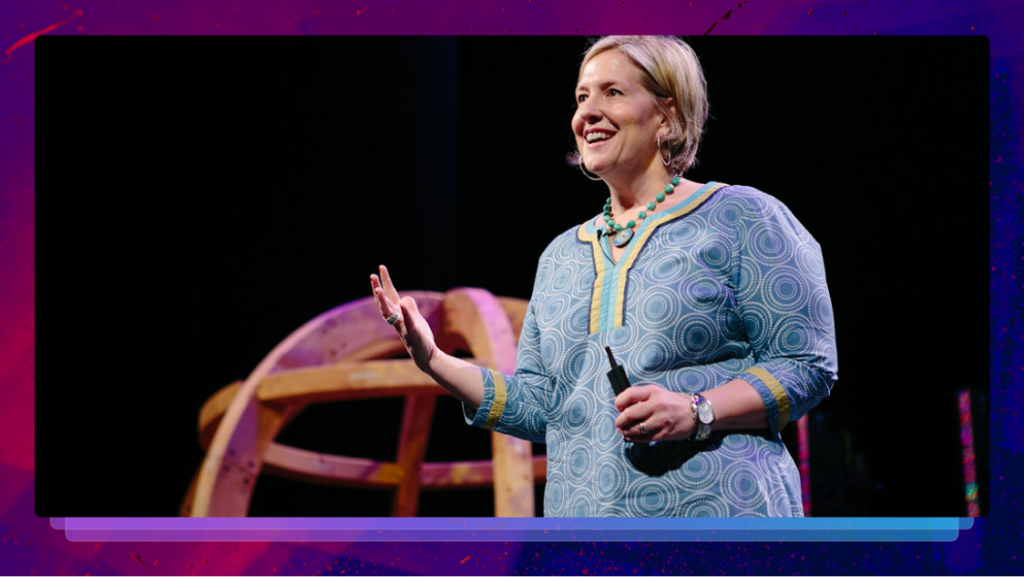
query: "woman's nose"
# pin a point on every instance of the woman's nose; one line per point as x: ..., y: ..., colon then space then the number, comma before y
x: 589, y: 111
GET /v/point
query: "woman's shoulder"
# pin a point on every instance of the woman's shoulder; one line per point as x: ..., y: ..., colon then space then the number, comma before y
x: 753, y: 199
x: 759, y: 206
x: 561, y: 242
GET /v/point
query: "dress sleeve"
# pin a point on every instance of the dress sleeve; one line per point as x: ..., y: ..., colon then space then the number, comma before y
x: 786, y: 309
x: 517, y: 405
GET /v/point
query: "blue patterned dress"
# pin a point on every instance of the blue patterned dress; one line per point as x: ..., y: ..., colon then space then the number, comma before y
x: 726, y: 284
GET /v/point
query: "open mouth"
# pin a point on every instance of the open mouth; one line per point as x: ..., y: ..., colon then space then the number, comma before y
x: 598, y: 138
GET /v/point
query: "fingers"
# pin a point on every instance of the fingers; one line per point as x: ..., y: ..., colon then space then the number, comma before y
x: 634, y: 415
x: 631, y: 395
x: 385, y: 295
x: 650, y: 431
x: 377, y: 291
x: 389, y: 286
x: 384, y: 305
x: 410, y: 311
x: 409, y: 305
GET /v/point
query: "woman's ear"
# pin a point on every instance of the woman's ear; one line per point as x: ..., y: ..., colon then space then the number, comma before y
x: 670, y: 104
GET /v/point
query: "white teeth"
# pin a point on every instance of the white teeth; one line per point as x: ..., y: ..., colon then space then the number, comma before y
x: 595, y: 136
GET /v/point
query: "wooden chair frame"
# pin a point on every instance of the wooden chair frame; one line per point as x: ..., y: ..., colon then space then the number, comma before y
x: 338, y: 356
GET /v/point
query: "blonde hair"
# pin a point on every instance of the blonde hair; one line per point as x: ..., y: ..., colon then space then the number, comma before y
x: 670, y: 70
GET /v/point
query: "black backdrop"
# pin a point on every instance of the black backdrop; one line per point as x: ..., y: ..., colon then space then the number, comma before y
x: 208, y: 196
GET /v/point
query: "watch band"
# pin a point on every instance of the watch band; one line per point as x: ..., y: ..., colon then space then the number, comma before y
x: 699, y: 403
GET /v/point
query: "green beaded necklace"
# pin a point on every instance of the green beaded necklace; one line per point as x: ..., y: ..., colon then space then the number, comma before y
x: 624, y: 234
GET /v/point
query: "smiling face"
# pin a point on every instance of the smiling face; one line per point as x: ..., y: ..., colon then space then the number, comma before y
x: 616, y: 122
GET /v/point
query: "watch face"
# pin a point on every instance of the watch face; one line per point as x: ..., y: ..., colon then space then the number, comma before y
x: 704, y: 413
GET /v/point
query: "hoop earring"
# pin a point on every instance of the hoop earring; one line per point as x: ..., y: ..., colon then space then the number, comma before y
x: 663, y: 161
x: 584, y: 171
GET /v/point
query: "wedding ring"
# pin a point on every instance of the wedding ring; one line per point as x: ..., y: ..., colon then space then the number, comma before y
x: 643, y: 429
x: 392, y: 319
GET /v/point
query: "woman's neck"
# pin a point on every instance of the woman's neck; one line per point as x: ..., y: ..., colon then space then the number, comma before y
x: 629, y: 191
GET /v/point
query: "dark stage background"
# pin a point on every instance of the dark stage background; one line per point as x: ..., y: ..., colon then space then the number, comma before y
x: 192, y: 213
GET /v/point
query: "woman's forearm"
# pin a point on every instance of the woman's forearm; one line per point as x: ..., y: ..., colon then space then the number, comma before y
x: 460, y: 378
x: 737, y: 405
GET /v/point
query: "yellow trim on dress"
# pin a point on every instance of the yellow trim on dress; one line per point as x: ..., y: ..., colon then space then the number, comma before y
x: 781, y: 398
x: 620, y: 296
x: 595, y: 304
x: 498, y: 406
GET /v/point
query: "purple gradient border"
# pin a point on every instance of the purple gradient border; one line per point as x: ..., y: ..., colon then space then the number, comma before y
x: 510, y: 529
x: 29, y: 545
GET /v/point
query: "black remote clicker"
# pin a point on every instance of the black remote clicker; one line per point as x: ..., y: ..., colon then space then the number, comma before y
x: 617, y: 376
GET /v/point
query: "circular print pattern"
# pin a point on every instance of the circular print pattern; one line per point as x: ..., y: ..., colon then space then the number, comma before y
x: 704, y: 294
x: 579, y: 460
x: 810, y: 263
x: 651, y: 497
x: 735, y: 446
x: 554, y: 308
x: 582, y: 503
x: 715, y: 254
x: 611, y: 481
x: 668, y: 266
x: 554, y: 497
x: 768, y: 243
x: 708, y: 505
x: 756, y: 322
x: 578, y: 321
x: 785, y: 289
x: 581, y: 362
x: 729, y: 319
x: 780, y: 504
x: 659, y: 308
x: 701, y: 471
x: 578, y: 412
x: 551, y: 348
x: 742, y: 487
x: 687, y: 232
x: 696, y: 335
x: 562, y: 278
x: 726, y: 215
x: 654, y: 354
x: 749, y: 278
x: 606, y: 436
x: 821, y: 310
x: 690, y: 380
x: 792, y: 336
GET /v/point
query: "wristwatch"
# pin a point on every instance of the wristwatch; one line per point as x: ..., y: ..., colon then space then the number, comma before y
x: 703, y: 416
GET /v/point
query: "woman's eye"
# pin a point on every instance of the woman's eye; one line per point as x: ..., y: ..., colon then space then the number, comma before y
x: 614, y: 92
x: 581, y: 98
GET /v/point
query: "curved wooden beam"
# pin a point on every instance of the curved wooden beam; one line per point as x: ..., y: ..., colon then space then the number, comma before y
x: 515, y: 309
x: 235, y: 456
x: 323, y: 469
x: 471, y: 474
x: 477, y: 316
x: 412, y: 448
x: 345, y: 381
x: 320, y: 362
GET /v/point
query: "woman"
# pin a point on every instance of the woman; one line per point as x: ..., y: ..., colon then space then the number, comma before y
x: 712, y: 297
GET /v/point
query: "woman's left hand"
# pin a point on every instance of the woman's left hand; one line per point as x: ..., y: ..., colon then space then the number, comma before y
x: 666, y: 416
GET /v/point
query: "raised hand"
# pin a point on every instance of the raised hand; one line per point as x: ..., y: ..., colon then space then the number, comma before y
x: 404, y: 315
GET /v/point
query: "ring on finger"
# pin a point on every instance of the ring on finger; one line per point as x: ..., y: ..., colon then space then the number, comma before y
x: 392, y: 319
x: 643, y: 428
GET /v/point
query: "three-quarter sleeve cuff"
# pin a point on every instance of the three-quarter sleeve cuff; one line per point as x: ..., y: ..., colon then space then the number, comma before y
x: 493, y: 403
x: 776, y: 401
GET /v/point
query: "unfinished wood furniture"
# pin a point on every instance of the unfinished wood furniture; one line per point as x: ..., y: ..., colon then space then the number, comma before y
x: 342, y: 355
